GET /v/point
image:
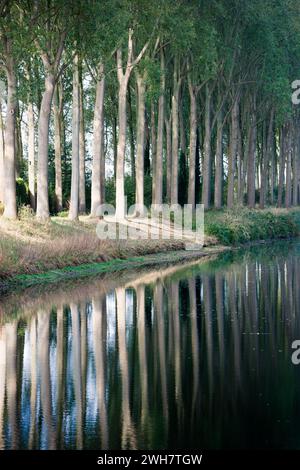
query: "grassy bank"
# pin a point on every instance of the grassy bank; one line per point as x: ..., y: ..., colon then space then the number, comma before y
x: 242, y: 225
x: 29, y: 247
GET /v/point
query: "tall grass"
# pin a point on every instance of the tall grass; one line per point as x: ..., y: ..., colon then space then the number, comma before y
x: 242, y: 225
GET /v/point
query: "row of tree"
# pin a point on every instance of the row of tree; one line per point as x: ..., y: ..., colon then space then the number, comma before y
x: 165, y: 101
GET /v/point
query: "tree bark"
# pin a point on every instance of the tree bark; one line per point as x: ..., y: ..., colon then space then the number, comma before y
x: 232, y: 153
x: 51, y: 75
x: 281, y: 164
x: 219, y: 163
x: 31, y: 154
x: 120, y: 194
x: 58, y: 145
x: 266, y: 162
x: 295, y: 163
x: 160, y: 135
x: 140, y: 141
x: 193, y: 140
x: 241, y: 170
x: 168, y: 123
x: 82, y: 198
x: 74, y: 201
x: 43, y: 144
x: 175, y: 102
x: 288, y: 185
x: 18, y: 143
x: 10, y: 210
x: 153, y: 151
x: 206, y: 182
x: 131, y: 135
x: 2, y: 151
x: 251, y: 160
x: 98, y: 168
x: 123, y: 78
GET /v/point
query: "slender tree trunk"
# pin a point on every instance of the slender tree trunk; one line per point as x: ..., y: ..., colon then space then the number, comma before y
x: 251, y: 160
x: 241, y: 179
x: 82, y: 198
x: 74, y: 201
x: 2, y: 151
x: 123, y: 79
x: 153, y: 151
x: 281, y: 164
x: 98, y: 168
x: 140, y: 141
x: 273, y: 166
x: 18, y: 143
x: 206, y: 185
x: 115, y: 143
x: 266, y: 162
x: 43, y: 145
x: 288, y: 185
x: 131, y: 135
x: 160, y: 135
x: 168, y: 155
x: 58, y: 147
x: 219, y: 163
x: 120, y: 194
x: 10, y: 210
x: 31, y: 154
x: 295, y: 162
x: 175, y: 102
x: 232, y: 153
x: 147, y: 163
x: 193, y: 141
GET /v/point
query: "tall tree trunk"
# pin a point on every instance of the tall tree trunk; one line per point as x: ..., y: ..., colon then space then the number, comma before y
x: 51, y: 75
x: 193, y: 141
x: 168, y: 123
x: 219, y: 163
x: 281, y: 164
x: 206, y: 181
x: 273, y: 168
x: 74, y: 201
x: 147, y: 163
x: 251, y: 160
x: 295, y: 162
x: 131, y: 135
x: 153, y: 151
x: 266, y: 162
x: 2, y: 151
x: 58, y: 145
x: 160, y: 135
x: 98, y: 168
x: 82, y: 198
x: 115, y: 143
x: 120, y: 194
x: 42, y: 211
x: 10, y: 210
x: 18, y: 142
x: 123, y: 78
x: 241, y: 178
x: 140, y: 141
x: 31, y: 154
x: 175, y: 103
x: 288, y: 185
x: 232, y: 152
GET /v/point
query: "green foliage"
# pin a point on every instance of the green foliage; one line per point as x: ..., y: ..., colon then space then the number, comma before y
x: 22, y: 192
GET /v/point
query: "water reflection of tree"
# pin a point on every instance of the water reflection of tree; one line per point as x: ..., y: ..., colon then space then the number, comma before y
x: 170, y: 374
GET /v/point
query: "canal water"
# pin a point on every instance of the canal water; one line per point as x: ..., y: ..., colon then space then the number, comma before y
x: 190, y: 356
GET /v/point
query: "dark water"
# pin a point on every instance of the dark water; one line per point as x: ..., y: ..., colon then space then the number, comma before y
x: 184, y: 357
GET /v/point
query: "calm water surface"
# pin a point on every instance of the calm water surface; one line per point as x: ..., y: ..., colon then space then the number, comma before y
x: 192, y: 356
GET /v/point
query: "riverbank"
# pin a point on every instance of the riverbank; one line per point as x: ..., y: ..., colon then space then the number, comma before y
x: 32, y: 252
